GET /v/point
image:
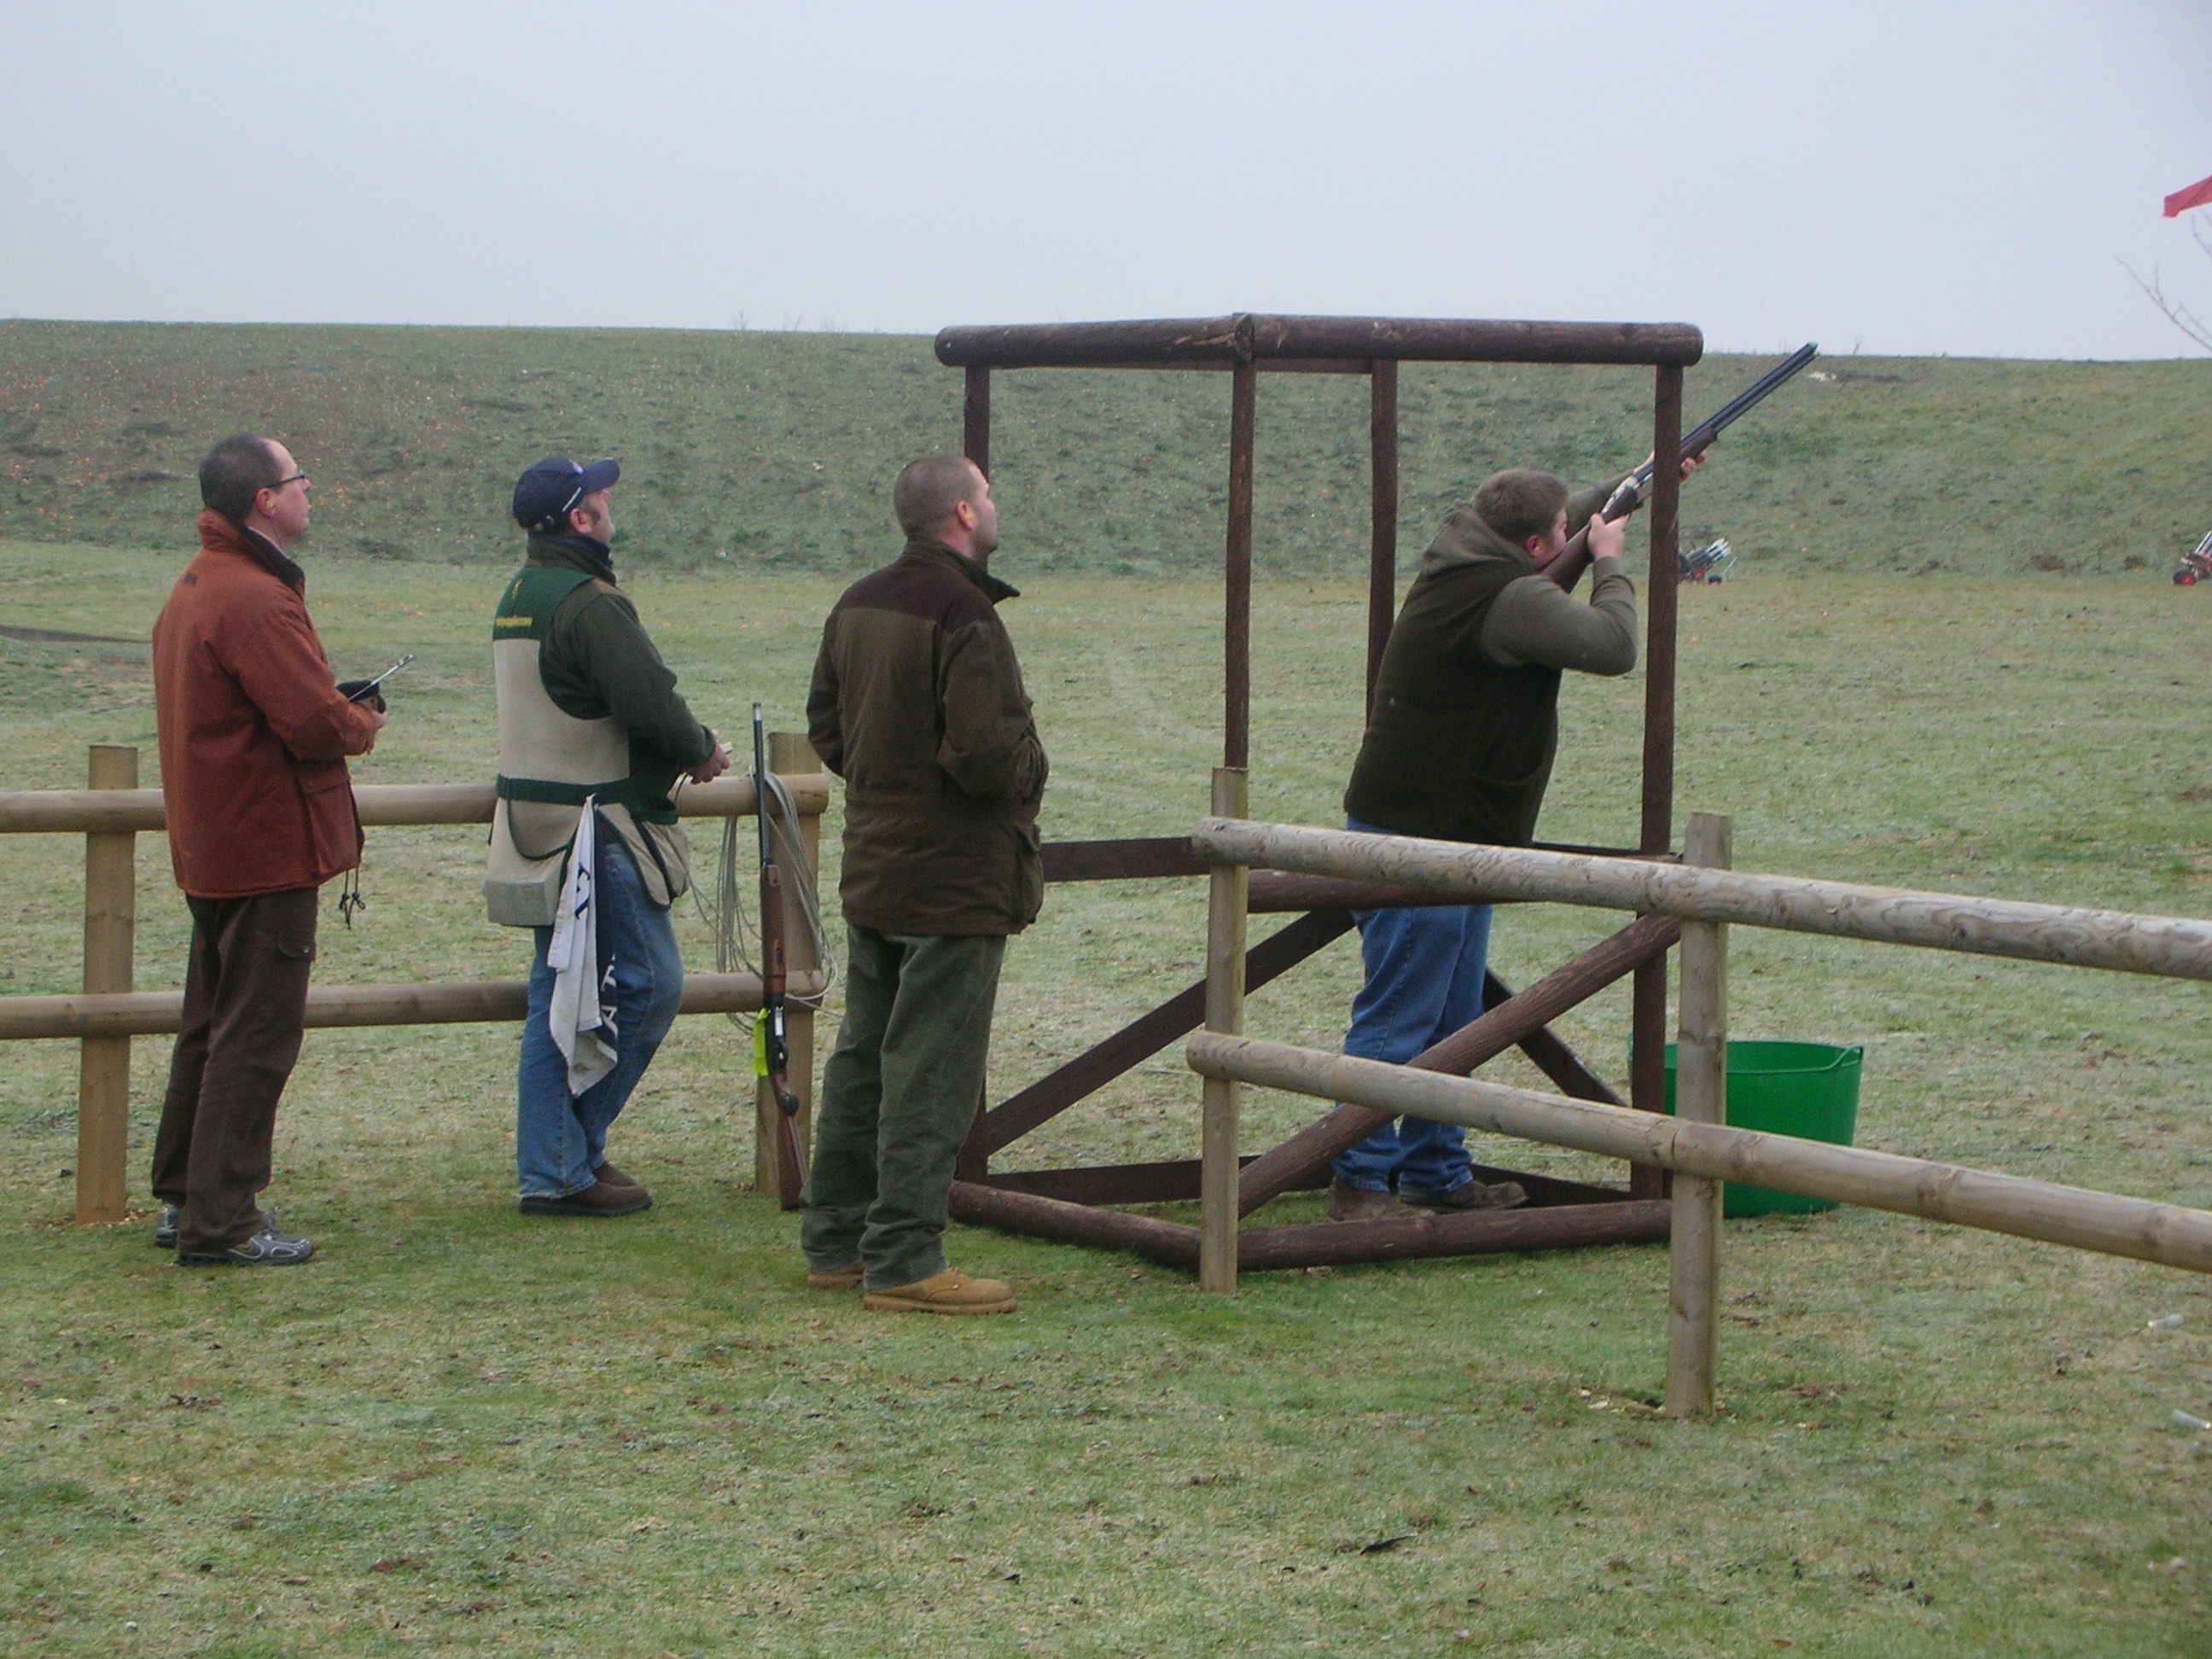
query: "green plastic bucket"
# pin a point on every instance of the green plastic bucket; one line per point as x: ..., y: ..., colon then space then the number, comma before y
x: 1808, y: 1090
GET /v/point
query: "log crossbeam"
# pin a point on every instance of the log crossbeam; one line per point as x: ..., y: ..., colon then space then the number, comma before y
x: 1510, y: 1022
x: 1142, y: 1038
x: 1326, y: 1243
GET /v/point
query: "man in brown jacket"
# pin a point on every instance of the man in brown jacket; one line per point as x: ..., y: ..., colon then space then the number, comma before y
x: 254, y: 735
x: 918, y: 704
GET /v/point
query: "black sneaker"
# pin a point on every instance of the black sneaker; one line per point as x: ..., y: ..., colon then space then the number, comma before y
x: 266, y: 1249
x: 164, y: 1230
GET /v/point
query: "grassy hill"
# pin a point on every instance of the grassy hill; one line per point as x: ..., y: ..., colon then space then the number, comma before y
x: 777, y: 449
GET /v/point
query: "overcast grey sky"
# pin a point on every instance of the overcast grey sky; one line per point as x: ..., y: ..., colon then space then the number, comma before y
x: 1906, y: 177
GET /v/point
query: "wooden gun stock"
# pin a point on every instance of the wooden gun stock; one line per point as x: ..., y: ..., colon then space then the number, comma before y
x: 776, y: 1047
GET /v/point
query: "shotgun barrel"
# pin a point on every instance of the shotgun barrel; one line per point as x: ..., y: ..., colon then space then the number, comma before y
x: 1636, y: 489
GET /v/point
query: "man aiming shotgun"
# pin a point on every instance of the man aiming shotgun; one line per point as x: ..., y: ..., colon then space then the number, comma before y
x: 1459, y: 745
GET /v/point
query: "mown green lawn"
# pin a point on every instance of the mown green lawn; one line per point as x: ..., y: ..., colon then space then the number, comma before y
x: 462, y: 1429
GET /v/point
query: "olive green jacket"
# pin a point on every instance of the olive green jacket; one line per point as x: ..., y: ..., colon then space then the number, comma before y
x: 918, y: 704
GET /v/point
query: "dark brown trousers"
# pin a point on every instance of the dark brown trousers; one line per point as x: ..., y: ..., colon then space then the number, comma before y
x: 246, y: 997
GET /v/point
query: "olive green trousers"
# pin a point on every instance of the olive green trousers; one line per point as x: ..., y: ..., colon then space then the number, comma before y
x: 898, y: 1097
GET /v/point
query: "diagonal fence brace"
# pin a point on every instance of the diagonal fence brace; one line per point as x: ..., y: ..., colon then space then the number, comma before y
x: 1276, y: 1171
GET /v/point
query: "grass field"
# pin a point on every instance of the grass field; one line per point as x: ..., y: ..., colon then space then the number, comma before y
x: 464, y: 1430
x: 775, y: 450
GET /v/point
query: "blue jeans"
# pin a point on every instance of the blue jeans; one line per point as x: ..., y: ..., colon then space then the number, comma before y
x: 1425, y: 969
x: 559, y: 1139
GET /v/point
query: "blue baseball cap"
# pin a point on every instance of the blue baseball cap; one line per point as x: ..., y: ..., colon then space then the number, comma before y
x: 544, y: 495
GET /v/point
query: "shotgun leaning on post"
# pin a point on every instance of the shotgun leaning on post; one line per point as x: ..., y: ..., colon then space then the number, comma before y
x: 771, y: 1046
x: 1636, y: 489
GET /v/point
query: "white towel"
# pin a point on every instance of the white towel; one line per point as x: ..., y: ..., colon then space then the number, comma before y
x: 581, y: 1013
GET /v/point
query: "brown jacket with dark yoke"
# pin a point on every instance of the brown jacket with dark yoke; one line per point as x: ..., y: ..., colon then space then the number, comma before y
x: 918, y: 704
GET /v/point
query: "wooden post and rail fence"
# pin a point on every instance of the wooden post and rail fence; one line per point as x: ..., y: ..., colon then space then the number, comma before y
x: 113, y: 811
x: 1704, y: 896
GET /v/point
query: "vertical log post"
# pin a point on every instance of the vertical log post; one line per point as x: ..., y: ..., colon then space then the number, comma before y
x: 976, y: 419
x: 1383, y: 548
x: 1700, y: 1096
x: 1226, y: 894
x: 1648, y: 995
x: 1237, y: 621
x: 103, y: 1086
x: 789, y: 753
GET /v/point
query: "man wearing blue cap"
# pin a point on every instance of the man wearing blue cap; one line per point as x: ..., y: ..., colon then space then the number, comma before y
x: 586, y: 848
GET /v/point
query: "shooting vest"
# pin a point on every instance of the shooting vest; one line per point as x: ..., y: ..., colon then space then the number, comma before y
x: 550, y: 762
x: 1456, y: 748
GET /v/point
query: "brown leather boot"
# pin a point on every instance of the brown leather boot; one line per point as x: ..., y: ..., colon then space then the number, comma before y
x: 601, y: 1197
x: 1350, y: 1203
x: 835, y: 1278
x: 949, y: 1293
x: 1471, y: 1194
x: 615, y: 1177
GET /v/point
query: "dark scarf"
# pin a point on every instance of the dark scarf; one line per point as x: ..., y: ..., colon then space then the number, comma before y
x: 585, y: 553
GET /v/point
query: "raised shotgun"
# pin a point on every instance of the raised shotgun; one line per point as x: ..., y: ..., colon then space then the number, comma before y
x: 1636, y: 489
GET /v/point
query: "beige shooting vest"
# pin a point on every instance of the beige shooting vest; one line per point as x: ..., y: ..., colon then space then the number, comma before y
x: 550, y: 762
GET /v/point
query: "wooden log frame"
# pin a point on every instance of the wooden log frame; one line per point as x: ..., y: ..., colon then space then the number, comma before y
x: 1510, y: 1021
x: 157, y: 1013
x: 112, y: 811
x: 1051, y: 1202
x: 1321, y: 1244
x: 2173, y: 1235
x: 111, y: 920
x: 109, y: 810
x: 2175, y: 947
x: 1701, y: 1096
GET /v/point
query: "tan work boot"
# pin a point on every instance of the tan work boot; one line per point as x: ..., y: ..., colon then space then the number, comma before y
x: 1473, y: 1195
x: 949, y: 1293
x: 836, y: 1279
x: 1350, y: 1203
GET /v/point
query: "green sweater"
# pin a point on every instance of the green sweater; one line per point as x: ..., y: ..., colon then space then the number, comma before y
x: 1461, y: 739
x: 597, y: 661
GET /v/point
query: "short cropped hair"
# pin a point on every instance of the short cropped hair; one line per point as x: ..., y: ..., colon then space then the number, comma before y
x: 1520, y: 502
x: 236, y: 470
x: 929, y: 488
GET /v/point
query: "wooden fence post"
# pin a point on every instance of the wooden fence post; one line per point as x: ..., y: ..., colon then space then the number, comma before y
x: 103, y: 1086
x: 1700, y: 1096
x: 1227, y: 895
x: 788, y: 755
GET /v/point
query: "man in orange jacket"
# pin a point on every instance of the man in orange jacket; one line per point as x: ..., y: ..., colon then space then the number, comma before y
x: 254, y: 735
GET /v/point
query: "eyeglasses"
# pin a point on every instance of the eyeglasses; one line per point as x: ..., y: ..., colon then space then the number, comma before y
x: 296, y: 477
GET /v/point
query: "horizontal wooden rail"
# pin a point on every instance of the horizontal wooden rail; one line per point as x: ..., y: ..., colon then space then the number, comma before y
x: 2173, y: 946
x: 103, y: 811
x: 1246, y: 336
x: 153, y: 1013
x: 2171, y: 1234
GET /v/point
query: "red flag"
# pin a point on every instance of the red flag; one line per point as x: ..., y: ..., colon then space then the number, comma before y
x: 2198, y: 195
